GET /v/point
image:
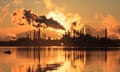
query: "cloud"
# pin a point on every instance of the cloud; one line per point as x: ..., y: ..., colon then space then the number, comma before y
x: 17, y: 17
x: 23, y: 16
x: 97, y: 25
x: 4, y: 12
x: 112, y: 25
x: 56, y: 18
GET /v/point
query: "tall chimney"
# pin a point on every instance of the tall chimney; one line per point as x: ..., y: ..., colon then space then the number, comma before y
x: 34, y: 37
x: 105, y: 33
x: 38, y: 34
x: 30, y: 35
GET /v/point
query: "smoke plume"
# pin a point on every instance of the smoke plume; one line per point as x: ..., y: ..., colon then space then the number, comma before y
x: 112, y: 25
x: 56, y: 18
x: 97, y: 26
x: 23, y: 16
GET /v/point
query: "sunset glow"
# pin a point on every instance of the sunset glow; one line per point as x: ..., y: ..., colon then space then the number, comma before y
x: 72, y: 17
x: 59, y: 36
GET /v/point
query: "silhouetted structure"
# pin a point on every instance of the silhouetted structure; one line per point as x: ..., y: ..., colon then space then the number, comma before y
x: 39, y: 34
x: 34, y: 37
x: 105, y: 33
x: 80, y: 39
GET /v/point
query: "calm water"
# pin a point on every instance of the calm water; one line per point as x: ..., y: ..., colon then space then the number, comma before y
x: 56, y: 59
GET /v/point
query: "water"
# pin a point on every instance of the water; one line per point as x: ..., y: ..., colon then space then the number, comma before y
x: 57, y: 59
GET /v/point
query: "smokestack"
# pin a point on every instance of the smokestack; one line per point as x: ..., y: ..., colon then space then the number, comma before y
x: 84, y: 31
x: 34, y: 33
x: 29, y: 35
x: 38, y: 34
x: 24, y: 16
x: 105, y: 33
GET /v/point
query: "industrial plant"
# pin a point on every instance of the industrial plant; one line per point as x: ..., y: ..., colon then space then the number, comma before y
x: 33, y: 38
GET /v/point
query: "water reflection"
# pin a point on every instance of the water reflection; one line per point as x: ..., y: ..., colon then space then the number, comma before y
x: 57, y: 59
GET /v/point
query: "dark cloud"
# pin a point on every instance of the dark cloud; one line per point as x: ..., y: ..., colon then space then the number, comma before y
x: 30, y: 17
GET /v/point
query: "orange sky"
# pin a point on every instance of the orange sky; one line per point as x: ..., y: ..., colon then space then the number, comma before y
x: 95, y: 15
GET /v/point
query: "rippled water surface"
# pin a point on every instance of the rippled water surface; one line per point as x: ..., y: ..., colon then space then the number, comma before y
x: 57, y: 59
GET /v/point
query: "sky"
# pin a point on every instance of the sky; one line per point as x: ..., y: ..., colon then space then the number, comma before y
x: 96, y: 15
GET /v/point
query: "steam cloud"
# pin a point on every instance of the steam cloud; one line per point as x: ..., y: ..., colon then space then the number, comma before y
x: 24, y: 16
x: 112, y: 25
x: 108, y: 21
